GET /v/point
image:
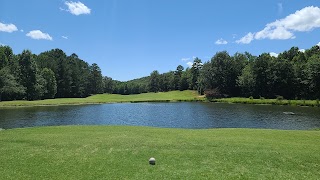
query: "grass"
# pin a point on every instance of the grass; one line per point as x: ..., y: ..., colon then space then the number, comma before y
x: 171, y: 96
x: 108, y: 152
x: 269, y: 101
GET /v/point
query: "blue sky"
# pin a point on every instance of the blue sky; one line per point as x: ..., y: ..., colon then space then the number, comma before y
x: 130, y: 38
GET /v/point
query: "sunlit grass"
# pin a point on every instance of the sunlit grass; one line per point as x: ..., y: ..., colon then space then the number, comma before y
x: 107, y: 152
x: 171, y: 96
x: 268, y: 101
x: 112, y: 98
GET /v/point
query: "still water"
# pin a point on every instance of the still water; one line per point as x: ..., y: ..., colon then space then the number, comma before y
x: 170, y: 115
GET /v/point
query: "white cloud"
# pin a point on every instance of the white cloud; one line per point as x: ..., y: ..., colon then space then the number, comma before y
x: 65, y: 37
x: 221, y: 41
x: 304, y: 20
x: 8, y: 27
x: 274, y: 33
x: 302, y: 50
x: 37, y: 34
x: 190, y: 63
x: 77, y: 8
x: 273, y: 54
x: 1, y: 44
x: 185, y: 59
x: 246, y: 39
x: 21, y: 30
x: 318, y: 44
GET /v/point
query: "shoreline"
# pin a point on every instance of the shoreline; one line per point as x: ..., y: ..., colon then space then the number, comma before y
x: 163, y: 97
x: 300, y: 103
x: 284, y: 102
x: 172, y: 96
x: 96, y: 103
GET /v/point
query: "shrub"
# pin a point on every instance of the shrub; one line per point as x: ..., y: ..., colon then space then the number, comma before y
x: 279, y: 98
x: 212, y: 93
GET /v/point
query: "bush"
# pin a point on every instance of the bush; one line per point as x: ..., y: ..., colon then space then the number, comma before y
x: 279, y: 98
x: 250, y: 97
x: 212, y: 93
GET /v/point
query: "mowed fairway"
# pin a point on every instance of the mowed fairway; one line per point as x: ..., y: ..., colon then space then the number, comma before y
x: 171, y: 96
x: 108, y: 152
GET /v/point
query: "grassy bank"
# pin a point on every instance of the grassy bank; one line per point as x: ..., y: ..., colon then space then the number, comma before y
x: 171, y: 96
x: 269, y: 101
x: 106, y: 152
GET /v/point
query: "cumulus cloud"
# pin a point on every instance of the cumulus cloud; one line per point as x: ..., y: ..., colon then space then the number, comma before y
x: 246, y: 39
x: 318, y: 44
x: 77, y: 8
x: 65, y: 37
x: 304, y: 20
x: 37, y: 34
x: 8, y: 27
x: 190, y: 64
x: 302, y: 50
x: 273, y: 54
x: 274, y: 32
x: 221, y: 41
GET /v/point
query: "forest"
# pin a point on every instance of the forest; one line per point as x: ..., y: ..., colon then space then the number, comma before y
x: 293, y: 74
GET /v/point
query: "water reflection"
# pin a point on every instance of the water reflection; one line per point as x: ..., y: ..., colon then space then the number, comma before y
x: 172, y: 115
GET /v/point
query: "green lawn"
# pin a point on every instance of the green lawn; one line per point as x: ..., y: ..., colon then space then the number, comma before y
x: 112, y: 98
x: 108, y: 152
x: 269, y: 101
x: 171, y: 96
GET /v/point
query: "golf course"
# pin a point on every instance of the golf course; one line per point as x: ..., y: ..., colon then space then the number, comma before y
x: 121, y: 152
x: 172, y: 96
x: 142, y: 89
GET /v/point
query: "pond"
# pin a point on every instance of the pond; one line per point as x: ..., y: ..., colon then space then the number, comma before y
x: 193, y: 115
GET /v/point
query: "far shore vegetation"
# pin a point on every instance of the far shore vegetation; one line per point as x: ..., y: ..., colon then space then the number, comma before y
x: 171, y: 96
x: 292, y: 75
x: 314, y: 103
x: 113, y: 152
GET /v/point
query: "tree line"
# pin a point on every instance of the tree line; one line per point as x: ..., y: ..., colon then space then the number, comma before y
x: 51, y: 74
x: 293, y: 74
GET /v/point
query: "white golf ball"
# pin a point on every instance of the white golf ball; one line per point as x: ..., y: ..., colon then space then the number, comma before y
x: 152, y: 161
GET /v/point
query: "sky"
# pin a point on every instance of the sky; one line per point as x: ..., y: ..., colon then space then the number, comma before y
x: 129, y: 39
